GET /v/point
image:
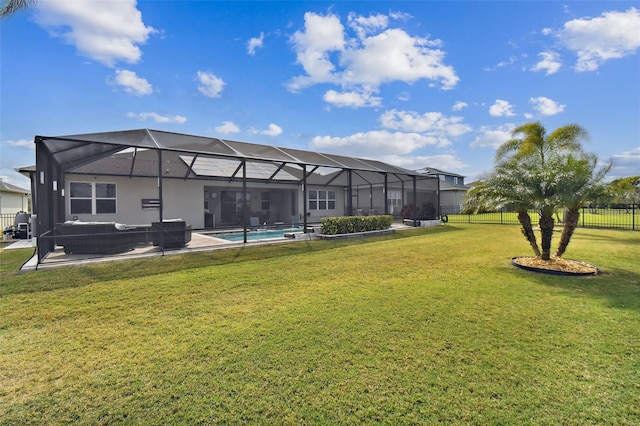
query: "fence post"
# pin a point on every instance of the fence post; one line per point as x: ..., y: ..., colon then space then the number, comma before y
x: 633, y: 217
x: 501, y: 221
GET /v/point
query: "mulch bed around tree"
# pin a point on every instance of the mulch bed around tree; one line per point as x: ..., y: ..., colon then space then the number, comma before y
x: 556, y: 265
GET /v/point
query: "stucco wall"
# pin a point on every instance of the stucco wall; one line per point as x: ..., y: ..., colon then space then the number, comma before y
x: 12, y: 202
x: 185, y: 200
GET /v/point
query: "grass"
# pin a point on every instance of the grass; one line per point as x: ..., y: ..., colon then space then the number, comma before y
x: 432, y: 325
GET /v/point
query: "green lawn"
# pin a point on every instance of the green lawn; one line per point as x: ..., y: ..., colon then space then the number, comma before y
x: 427, y: 326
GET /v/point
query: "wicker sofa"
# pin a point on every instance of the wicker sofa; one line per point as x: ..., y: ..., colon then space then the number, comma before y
x: 95, y: 237
x: 174, y: 233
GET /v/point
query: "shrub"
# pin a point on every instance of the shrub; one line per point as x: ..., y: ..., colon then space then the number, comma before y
x: 351, y: 224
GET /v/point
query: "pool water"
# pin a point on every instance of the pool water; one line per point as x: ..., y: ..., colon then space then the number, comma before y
x: 257, y: 235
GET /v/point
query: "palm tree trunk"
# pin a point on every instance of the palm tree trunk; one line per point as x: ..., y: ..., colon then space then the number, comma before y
x: 527, y: 230
x: 546, y: 229
x: 570, y: 224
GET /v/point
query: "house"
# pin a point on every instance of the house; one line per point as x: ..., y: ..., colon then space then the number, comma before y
x: 13, y: 199
x: 137, y: 177
x: 452, y: 189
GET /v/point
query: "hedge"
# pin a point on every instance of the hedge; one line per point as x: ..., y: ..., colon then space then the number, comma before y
x: 351, y: 224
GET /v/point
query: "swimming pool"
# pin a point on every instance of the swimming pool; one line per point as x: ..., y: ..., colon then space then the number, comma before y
x: 260, y: 234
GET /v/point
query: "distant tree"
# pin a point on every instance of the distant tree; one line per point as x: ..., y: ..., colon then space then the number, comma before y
x: 625, y: 190
x: 9, y: 7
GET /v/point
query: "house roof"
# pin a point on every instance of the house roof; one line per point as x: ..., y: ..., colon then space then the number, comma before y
x: 134, y: 153
x: 74, y: 150
x: 435, y: 172
x: 7, y: 187
x: 448, y: 186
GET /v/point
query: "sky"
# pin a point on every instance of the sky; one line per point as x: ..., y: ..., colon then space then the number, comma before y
x: 415, y: 84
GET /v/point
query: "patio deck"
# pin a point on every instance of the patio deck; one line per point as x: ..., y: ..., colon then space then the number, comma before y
x: 199, y: 242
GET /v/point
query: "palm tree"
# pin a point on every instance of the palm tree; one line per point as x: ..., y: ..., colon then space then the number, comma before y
x: 532, y: 149
x: 581, y: 185
x: 535, y: 142
x: 10, y: 7
x: 506, y: 186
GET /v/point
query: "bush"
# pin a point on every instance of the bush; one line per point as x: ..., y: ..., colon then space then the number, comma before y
x: 351, y: 224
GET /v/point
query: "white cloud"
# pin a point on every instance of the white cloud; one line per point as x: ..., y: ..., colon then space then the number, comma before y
x: 158, y: 118
x: 22, y: 143
x: 501, y: 109
x: 227, y: 127
x: 273, y: 130
x: 493, y: 137
x: 361, y: 63
x: 255, y: 43
x: 364, y: 26
x: 106, y: 31
x: 404, y: 96
x: 378, y: 142
x: 431, y: 123
x: 549, y: 62
x: 612, y: 35
x: 210, y: 85
x: 458, y: 106
x: 322, y: 35
x: 351, y: 99
x: 395, y: 56
x: 131, y: 83
x: 546, y: 106
x: 547, y: 31
x: 401, y: 16
x: 626, y: 164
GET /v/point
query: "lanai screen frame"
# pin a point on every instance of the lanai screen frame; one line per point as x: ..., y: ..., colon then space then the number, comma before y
x: 58, y: 155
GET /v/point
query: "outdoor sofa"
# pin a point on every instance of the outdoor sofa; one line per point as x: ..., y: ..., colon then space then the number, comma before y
x: 95, y: 237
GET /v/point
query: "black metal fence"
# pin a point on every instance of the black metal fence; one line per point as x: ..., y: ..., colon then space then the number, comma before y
x: 618, y: 217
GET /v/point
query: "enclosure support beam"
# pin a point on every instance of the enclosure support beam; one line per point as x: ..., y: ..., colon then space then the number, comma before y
x: 161, y: 202
x: 244, y: 199
x: 304, y: 197
x: 386, y: 191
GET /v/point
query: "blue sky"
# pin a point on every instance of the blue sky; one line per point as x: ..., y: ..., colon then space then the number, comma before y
x: 415, y: 84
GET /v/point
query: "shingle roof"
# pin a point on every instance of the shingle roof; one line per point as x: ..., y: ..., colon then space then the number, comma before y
x: 7, y: 187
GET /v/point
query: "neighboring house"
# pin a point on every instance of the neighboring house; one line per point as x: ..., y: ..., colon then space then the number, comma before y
x: 140, y: 176
x: 452, y: 189
x: 13, y: 199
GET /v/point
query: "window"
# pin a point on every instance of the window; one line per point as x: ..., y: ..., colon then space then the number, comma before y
x: 322, y: 200
x: 265, y: 203
x: 394, y: 198
x: 92, y: 198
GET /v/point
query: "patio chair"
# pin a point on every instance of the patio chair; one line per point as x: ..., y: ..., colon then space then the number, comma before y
x: 254, y: 221
x: 295, y: 223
